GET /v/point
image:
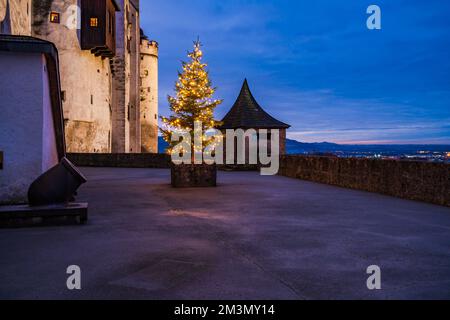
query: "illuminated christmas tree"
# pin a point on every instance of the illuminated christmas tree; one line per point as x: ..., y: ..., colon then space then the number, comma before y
x: 193, y: 101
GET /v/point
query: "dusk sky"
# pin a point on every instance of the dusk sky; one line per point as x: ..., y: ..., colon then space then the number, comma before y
x: 315, y: 65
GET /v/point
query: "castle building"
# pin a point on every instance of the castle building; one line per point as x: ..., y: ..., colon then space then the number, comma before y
x: 85, y: 72
x: 135, y: 85
x: 246, y: 114
x: 149, y: 95
x: 99, y: 45
x: 15, y: 17
x: 126, y: 133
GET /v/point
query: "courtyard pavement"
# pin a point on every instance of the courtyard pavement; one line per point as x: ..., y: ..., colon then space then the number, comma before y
x: 252, y: 237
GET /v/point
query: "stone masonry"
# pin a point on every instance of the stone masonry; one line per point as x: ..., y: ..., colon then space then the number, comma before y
x: 101, y: 96
x: 85, y: 79
x: 15, y: 17
x: 423, y: 181
x: 126, y: 131
x: 149, y: 96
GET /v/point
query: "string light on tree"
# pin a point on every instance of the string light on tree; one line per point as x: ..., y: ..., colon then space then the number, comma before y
x: 193, y: 100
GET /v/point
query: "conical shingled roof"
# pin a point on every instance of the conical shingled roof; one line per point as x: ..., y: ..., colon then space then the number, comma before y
x: 246, y: 113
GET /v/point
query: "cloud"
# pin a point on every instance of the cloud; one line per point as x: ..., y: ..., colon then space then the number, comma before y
x: 392, y: 135
x: 315, y: 65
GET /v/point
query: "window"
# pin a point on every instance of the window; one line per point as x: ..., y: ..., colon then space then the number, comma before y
x: 92, y: 99
x: 63, y: 95
x: 54, y: 17
x: 1, y: 160
x: 93, y: 22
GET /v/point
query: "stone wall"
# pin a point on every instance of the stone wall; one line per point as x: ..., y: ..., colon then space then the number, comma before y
x: 85, y: 78
x: 120, y: 124
x: 134, y: 38
x: 15, y: 17
x: 120, y: 160
x: 101, y: 98
x: 149, y: 96
x: 423, y: 181
x: 126, y: 131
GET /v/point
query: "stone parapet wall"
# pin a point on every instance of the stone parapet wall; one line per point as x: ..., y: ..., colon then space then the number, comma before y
x: 120, y: 160
x: 414, y: 180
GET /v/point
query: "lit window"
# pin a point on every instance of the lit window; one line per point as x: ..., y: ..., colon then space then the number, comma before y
x: 54, y: 17
x: 94, y: 22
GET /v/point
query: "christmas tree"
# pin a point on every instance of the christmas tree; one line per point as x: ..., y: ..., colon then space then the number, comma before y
x: 193, y: 101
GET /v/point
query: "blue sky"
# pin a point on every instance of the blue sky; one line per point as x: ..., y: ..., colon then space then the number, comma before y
x: 315, y: 65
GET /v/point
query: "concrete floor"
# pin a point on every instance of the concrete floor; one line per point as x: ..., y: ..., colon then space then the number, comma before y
x: 252, y: 237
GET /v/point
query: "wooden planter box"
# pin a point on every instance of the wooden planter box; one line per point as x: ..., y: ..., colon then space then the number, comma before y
x: 193, y: 175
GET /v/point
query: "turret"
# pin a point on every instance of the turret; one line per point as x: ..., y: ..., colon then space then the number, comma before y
x: 149, y: 95
x: 149, y: 47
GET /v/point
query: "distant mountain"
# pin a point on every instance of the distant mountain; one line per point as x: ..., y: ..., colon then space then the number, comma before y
x: 296, y: 147
x: 292, y: 146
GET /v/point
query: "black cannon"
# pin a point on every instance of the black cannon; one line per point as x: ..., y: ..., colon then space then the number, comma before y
x: 56, y: 186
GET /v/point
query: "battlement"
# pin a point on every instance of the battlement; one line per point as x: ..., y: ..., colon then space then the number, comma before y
x: 149, y: 47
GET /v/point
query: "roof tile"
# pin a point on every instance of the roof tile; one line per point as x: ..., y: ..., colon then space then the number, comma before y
x: 247, y: 113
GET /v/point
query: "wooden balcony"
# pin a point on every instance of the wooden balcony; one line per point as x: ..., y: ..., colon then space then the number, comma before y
x: 98, y: 27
